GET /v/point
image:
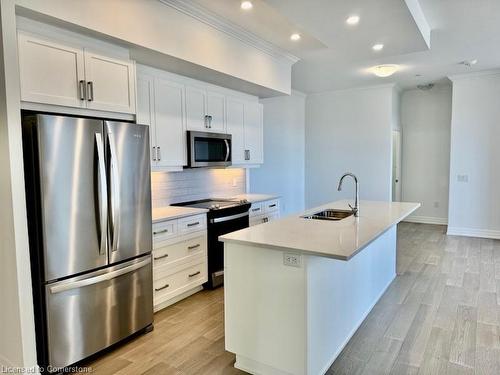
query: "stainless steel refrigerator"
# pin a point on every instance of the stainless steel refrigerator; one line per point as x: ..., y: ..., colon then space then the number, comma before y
x: 89, y: 214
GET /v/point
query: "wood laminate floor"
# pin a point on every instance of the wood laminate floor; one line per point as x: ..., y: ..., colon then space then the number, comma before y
x: 440, y: 316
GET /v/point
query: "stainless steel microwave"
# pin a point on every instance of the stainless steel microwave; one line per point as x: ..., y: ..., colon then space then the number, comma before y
x: 208, y: 149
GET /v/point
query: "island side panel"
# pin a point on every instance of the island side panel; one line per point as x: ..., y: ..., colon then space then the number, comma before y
x: 265, y: 310
x: 340, y: 294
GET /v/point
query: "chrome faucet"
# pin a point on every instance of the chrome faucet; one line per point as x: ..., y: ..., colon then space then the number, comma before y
x: 354, y: 209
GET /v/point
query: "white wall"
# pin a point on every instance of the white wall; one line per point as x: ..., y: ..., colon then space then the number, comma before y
x: 283, y: 169
x: 165, y: 30
x: 349, y: 130
x: 474, y: 206
x: 426, y: 123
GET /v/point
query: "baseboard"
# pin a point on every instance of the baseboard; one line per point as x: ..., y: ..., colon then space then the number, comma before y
x: 426, y: 220
x: 351, y: 334
x: 5, y: 363
x: 472, y: 232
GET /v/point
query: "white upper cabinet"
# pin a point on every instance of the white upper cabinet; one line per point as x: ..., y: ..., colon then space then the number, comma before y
x: 169, y: 124
x: 205, y: 110
x: 235, y: 126
x: 110, y: 83
x: 145, y: 110
x: 59, y: 74
x: 51, y: 73
x: 254, y: 153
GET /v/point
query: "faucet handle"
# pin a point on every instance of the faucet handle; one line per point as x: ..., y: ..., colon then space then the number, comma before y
x: 354, y: 209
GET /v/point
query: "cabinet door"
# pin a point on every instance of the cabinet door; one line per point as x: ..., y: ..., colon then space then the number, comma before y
x: 145, y: 110
x: 50, y: 73
x: 235, y: 127
x: 110, y: 83
x: 195, y: 109
x: 215, y: 109
x: 169, y: 124
x: 253, y: 133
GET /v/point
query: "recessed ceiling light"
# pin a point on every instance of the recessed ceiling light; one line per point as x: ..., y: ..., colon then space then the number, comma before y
x: 352, y: 20
x: 384, y: 70
x: 378, y: 47
x: 295, y: 37
x: 246, y: 5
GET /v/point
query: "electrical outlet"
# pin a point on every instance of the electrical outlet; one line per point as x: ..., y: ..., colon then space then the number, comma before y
x: 462, y: 178
x: 292, y: 260
x: 436, y: 204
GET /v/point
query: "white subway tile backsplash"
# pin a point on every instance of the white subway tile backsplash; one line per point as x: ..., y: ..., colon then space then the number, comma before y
x: 192, y: 184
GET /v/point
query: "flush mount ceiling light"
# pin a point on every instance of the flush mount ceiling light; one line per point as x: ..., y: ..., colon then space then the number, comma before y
x: 295, y: 37
x: 352, y: 20
x: 378, y: 47
x: 384, y: 70
x: 246, y: 5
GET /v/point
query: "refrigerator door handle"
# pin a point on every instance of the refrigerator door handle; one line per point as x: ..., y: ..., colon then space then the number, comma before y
x: 103, y: 192
x: 69, y: 285
x: 115, y: 193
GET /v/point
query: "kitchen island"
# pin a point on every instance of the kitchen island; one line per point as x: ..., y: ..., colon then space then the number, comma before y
x: 296, y: 289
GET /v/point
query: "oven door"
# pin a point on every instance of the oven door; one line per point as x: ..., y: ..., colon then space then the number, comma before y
x: 209, y: 149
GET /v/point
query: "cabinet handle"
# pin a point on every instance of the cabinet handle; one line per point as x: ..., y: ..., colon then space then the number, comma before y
x: 194, y: 246
x: 158, y: 153
x: 210, y: 122
x: 272, y: 205
x: 194, y: 274
x: 161, y: 288
x: 265, y: 220
x: 81, y: 87
x: 193, y: 224
x: 154, y: 153
x: 160, y: 232
x: 206, y: 121
x: 161, y: 257
x: 255, y: 209
x: 90, y: 91
x: 247, y: 154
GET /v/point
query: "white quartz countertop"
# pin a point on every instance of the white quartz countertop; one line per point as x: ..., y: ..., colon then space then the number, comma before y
x: 254, y: 198
x: 174, y: 212
x: 333, y: 239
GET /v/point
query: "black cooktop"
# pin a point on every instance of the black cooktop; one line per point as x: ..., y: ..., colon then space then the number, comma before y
x: 213, y: 204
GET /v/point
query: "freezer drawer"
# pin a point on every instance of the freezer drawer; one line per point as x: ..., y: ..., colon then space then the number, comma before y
x: 89, y: 313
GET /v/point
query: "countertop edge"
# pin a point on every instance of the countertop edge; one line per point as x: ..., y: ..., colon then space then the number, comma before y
x: 316, y: 253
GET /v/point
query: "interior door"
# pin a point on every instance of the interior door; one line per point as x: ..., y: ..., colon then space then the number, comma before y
x: 129, y: 190
x: 169, y: 124
x: 110, y: 83
x: 253, y: 133
x: 73, y: 194
x: 235, y: 127
x: 51, y: 73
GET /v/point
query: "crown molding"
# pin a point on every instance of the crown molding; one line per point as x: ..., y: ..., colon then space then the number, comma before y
x: 210, y: 18
x: 481, y: 73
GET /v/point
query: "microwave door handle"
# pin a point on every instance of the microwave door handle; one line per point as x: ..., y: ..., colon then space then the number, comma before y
x: 115, y: 193
x: 103, y: 193
x: 228, y: 150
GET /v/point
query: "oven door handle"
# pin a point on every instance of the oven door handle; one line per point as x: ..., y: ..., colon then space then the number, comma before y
x: 227, y: 218
x: 228, y: 150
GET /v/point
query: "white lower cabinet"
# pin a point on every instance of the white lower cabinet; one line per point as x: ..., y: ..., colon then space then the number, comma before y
x: 263, y: 212
x: 179, y: 259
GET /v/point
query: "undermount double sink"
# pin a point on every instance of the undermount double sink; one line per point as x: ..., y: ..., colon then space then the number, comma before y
x: 330, y: 214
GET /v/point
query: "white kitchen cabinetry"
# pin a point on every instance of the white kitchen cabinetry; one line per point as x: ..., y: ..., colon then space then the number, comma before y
x: 179, y: 259
x: 245, y: 124
x: 60, y: 74
x: 263, y: 212
x: 160, y: 104
x: 205, y: 110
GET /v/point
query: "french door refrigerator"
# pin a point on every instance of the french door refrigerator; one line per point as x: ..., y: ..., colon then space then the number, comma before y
x: 89, y: 214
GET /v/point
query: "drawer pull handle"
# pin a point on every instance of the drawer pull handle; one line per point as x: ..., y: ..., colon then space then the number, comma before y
x: 160, y: 232
x: 194, y: 274
x: 272, y: 205
x: 255, y: 209
x: 161, y: 257
x: 161, y: 288
x: 194, y: 246
x: 193, y: 224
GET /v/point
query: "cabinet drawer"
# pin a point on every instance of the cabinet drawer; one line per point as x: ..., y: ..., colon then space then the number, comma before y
x: 261, y: 219
x: 164, y: 230
x: 256, y: 209
x: 192, y: 223
x: 187, y: 278
x: 271, y: 206
x: 170, y: 256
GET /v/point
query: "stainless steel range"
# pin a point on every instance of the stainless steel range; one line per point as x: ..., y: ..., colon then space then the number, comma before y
x: 224, y: 216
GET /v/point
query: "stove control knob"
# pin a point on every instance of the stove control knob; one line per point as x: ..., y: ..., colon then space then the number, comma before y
x: 217, y: 206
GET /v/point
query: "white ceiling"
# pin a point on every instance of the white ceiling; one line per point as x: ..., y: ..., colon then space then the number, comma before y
x: 337, y: 56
